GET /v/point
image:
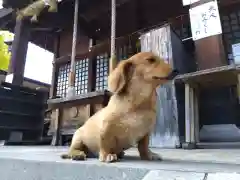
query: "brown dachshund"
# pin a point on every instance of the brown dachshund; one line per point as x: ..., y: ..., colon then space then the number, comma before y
x: 130, y: 115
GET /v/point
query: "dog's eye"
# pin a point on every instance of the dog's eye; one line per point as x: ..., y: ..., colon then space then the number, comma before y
x: 151, y: 60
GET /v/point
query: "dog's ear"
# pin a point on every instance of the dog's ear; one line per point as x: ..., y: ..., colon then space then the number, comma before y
x: 120, y: 77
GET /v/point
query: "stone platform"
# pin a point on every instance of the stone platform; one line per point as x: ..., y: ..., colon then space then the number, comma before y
x: 44, y: 163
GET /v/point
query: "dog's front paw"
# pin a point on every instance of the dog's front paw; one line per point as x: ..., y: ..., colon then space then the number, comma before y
x: 75, y: 155
x: 108, y: 158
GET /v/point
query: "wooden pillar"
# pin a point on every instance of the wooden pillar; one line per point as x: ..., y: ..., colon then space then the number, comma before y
x: 191, y: 117
x: 113, y: 58
x: 71, y: 82
x: 55, y: 68
x: 92, y: 77
x: 196, y: 114
x: 187, y: 114
x: 19, y: 51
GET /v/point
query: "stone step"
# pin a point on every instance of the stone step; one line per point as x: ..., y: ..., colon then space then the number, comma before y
x: 44, y: 163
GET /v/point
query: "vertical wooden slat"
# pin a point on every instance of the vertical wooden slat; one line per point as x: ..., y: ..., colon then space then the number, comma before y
x: 53, y: 88
x: 57, y: 137
x: 238, y: 88
x: 192, y: 110
x: 187, y: 114
x: 92, y: 72
x: 191, y: 117
x: 196, y: 116
x: 92, y: 78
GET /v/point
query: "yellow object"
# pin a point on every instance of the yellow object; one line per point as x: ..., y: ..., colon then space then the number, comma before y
x: 4, y: 55
x: 7, y: 36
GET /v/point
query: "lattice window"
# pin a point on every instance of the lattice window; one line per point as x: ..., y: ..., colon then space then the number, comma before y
x: 62, y: 81
x: 81, y: 81
x: 102, y: 71
x: 231, y: 31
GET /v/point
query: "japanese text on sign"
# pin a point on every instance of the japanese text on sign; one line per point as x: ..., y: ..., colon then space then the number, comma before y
x: 205, y: 20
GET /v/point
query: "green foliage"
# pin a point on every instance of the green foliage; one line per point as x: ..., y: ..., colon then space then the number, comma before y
x: 4, y: 55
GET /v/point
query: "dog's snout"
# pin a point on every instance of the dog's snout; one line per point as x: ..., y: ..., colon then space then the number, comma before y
x: 173, y: 74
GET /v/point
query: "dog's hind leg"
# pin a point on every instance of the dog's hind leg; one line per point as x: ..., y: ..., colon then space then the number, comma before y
x: 77, y: 149
x: 145, y: 152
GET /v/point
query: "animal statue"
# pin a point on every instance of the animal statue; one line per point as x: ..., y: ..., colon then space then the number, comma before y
x: 35, y: 8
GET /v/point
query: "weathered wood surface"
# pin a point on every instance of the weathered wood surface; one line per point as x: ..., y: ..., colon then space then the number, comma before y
x: 71, y: 118
x: 70, y: 114
x: 165, y: 133
x: 220, y: 76
x: 88, y: 98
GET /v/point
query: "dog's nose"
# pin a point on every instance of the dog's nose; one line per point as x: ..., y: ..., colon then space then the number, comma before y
x: 173, y: 74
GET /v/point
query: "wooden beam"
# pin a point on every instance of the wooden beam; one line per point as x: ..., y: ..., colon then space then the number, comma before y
x: 19, y: 51
x: 64, y: 21
x: 103, y: 7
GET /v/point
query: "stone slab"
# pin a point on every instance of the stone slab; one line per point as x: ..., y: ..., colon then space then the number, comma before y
x: 44, y: 163
x: 31, y: 170
x: 223, y: 176
x: 173, y: 175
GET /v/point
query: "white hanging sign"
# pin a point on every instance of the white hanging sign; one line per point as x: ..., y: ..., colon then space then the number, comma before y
x: 205, y: 20
x: 188, y: 2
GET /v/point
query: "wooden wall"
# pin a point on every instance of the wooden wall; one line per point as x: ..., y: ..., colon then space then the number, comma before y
x: 66, y: 43
x: 131, y: 17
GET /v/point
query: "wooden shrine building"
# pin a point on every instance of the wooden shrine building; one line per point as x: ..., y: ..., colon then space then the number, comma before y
x: 206, y: 65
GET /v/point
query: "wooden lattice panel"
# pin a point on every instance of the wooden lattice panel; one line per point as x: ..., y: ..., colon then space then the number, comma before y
x: 81, y: 81
x: 62, y: 82
x: 102, y: 71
